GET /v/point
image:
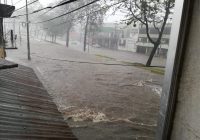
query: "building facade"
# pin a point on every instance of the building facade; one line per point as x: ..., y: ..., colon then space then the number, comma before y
x: 118, y: 37
x: 145, y: 46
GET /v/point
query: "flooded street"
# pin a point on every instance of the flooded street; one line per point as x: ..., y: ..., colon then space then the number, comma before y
x: 100, y: 101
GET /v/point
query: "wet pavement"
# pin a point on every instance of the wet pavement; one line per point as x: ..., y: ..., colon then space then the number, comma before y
x: 99, y: 101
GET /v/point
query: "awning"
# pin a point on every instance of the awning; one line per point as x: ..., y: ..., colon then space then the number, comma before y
x: 6, y: 10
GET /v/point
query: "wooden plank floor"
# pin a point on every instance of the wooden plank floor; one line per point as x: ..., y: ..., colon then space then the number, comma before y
x: 27, y: 112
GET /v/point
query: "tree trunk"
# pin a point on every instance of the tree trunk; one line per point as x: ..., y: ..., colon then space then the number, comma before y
x: 67, y: 37
x: 41, y: 36
x: 54, y: 38
x: 152, y: 54
x: 85, y: 36
x: 45, y: 38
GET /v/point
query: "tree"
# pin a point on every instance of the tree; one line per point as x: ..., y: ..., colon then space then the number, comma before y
x: 70, y: 19
x: 149, y: 12
x: 91, y: 17
x: 55, y: 27
x: 52, y: 28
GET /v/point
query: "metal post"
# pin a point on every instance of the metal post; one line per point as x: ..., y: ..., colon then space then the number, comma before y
x: 27, y: 25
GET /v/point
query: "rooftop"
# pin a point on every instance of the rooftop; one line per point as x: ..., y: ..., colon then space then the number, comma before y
x: 26, y: 109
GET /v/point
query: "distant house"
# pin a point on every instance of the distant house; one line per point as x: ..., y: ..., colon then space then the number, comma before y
x: 145, y: 46
x: 108, y: 37
x: 118, y: 37
x: 128, y: 39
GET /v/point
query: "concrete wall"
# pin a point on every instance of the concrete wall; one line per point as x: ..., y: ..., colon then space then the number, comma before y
x: 187, y: 117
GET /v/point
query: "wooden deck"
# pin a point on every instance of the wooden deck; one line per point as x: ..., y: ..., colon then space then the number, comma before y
x: 27, y: 112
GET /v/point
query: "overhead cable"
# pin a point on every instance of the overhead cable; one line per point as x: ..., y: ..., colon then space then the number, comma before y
x: 17, y: 2
x: 64, y: 2
x: 102, y: 8
x: 36, y: 11
x: 48, y: 7
x: 25, y: 5
x: 81, y: 7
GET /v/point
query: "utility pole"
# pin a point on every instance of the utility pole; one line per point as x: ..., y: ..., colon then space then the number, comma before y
x: 20, y: 37
x: 27, y: 25
x: 85, y: 36
x: 14, y: 32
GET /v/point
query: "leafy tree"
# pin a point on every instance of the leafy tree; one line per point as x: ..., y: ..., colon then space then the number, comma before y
x: 70, y: 18
x: 91, y: 18
x: 149, y: 13
x: 55, y: 27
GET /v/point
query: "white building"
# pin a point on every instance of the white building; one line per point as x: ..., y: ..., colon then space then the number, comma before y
x: 119, y: 37
x: 145, y: 46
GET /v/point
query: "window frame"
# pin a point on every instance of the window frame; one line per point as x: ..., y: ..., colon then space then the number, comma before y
x: 178, y: 40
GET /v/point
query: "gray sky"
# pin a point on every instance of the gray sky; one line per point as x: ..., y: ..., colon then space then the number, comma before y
x: 46, y: 2
x: 109, y: 17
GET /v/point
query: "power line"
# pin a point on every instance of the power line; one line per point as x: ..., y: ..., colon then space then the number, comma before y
x: 48, y: 7
x: 64, y: 3
x: 25, y: 5
x: 36, y: 11
x: 102, y: 8
x: 75, y: 18
x: 59, y: 4
x: 17, y: 2
x: 68, y: 12
x: 46, y: 12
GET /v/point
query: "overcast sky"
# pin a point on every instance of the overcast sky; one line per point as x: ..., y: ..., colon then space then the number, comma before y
x: 109, y: 18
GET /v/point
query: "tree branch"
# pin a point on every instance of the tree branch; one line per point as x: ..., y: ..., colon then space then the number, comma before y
x: 164, y: 21
x: 136, y: 16
x: 147, y: 27
x: 154, y: 24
